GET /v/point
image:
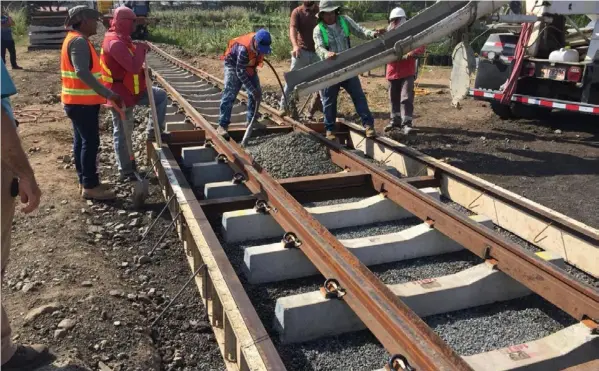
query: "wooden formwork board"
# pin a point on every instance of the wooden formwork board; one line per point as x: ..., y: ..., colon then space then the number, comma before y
x: 487, y: 199
x: 241, y: 337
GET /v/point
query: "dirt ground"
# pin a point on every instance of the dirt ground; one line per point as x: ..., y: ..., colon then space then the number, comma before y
x: 83, y: 262
x: 554, y: 162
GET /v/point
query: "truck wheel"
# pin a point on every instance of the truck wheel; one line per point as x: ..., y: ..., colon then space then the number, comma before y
x: 531, y: 112
x: 503, y: 111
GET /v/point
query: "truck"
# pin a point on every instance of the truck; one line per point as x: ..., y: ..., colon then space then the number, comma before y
x: 558, y: 68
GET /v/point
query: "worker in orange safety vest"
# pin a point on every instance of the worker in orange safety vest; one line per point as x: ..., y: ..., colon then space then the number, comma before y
x: 243, y: 55
x: 82, y: 94
x: 121, y: 62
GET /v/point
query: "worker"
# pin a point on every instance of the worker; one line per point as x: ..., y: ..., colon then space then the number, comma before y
x: 401, y: 75
x: 17, y: 179
x: 303, y: 21
x: 243, y: 55
x: 82, y: 95
x: 122, y: 71
x: 8, y: 43
x: 331, y: 37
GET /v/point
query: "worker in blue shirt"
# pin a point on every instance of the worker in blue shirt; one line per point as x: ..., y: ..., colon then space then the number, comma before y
x: 8, y: 43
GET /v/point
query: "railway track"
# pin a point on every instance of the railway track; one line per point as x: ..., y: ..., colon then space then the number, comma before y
x: 243, y: 230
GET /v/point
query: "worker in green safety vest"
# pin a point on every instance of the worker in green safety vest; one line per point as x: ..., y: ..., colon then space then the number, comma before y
x: 332, y: 36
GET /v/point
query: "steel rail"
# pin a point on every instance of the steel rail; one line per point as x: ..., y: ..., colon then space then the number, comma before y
x: 394, y: 324
x: 575, y: 298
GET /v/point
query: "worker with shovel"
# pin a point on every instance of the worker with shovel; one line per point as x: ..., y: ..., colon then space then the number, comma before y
x: 331, y: 37
x: 401, y: 75
x: 243, y: 55
x: 82, y: 94
x: 122, y: 63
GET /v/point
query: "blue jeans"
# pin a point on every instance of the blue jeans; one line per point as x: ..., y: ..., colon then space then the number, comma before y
x: 124, y: 129
x: 86, y: 140
x: 232, y: 87
x: 354, y: 89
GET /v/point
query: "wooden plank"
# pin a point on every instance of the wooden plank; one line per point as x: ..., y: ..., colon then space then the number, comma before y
x: 46, y: 37
x: 424, y: 181
x: 220, y: 205
x: 48, y: 28
x: 326, y: 181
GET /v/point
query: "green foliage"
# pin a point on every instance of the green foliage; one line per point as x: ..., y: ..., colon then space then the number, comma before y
x: 357, y: 9
x: 207, y: 32
x: 19, y: 17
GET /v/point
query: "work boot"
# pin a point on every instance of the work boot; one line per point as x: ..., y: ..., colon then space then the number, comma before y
x: 330, y: 135
x: 99, y: 193
x: 394, y: 124
x: 17, y: 68
x: 222, y: 131
x: 369, y: 130
x: 407, y: 126
x: 29, y: 358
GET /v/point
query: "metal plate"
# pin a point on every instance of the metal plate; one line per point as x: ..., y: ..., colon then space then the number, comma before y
x: 464, y: 64
x: 553, y: 73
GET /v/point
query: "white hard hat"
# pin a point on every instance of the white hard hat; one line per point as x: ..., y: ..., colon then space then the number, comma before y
x: 397, y: 13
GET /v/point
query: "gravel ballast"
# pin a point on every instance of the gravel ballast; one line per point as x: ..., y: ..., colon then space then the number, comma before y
x: 291, y: 155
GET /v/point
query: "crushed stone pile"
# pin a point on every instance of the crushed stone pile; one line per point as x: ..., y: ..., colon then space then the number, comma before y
x: 291, y: 155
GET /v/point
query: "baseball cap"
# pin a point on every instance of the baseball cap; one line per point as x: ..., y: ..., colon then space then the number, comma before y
x: 80, y: 13
x: 263, y: 41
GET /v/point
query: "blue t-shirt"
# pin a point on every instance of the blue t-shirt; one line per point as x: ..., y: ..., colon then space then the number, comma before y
x: 8, y: 88
x: 6, y: 32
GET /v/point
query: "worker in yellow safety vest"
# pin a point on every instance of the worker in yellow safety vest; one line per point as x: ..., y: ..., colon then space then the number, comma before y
x: 331, y: 37
x: 82, y: 94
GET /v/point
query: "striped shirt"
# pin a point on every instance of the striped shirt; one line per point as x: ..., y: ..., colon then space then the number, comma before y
x: 337, y: 40
x: 238, y: 60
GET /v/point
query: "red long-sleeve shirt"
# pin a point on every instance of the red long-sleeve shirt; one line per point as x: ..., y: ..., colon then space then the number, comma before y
x: 130, y: 63
x: 404, y: 67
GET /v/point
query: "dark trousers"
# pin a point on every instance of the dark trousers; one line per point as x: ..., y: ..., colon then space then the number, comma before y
x: 10, y: 45
x: 401, y: 95
x: 86, y: 141
x: 329, y: 102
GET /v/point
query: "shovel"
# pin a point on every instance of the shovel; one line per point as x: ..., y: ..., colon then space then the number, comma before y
x: 141, y: 185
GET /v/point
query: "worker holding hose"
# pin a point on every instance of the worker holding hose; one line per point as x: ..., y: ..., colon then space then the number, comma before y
x: 243, y: 55
x: 331, y: 37
x: 122, y: 70
x: 82, y: 94
x: 401, y: 75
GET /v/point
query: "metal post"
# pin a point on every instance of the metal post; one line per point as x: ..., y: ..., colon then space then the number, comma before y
x: 143, y: 237
x: 179, y: 293
x: 164, y: 234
